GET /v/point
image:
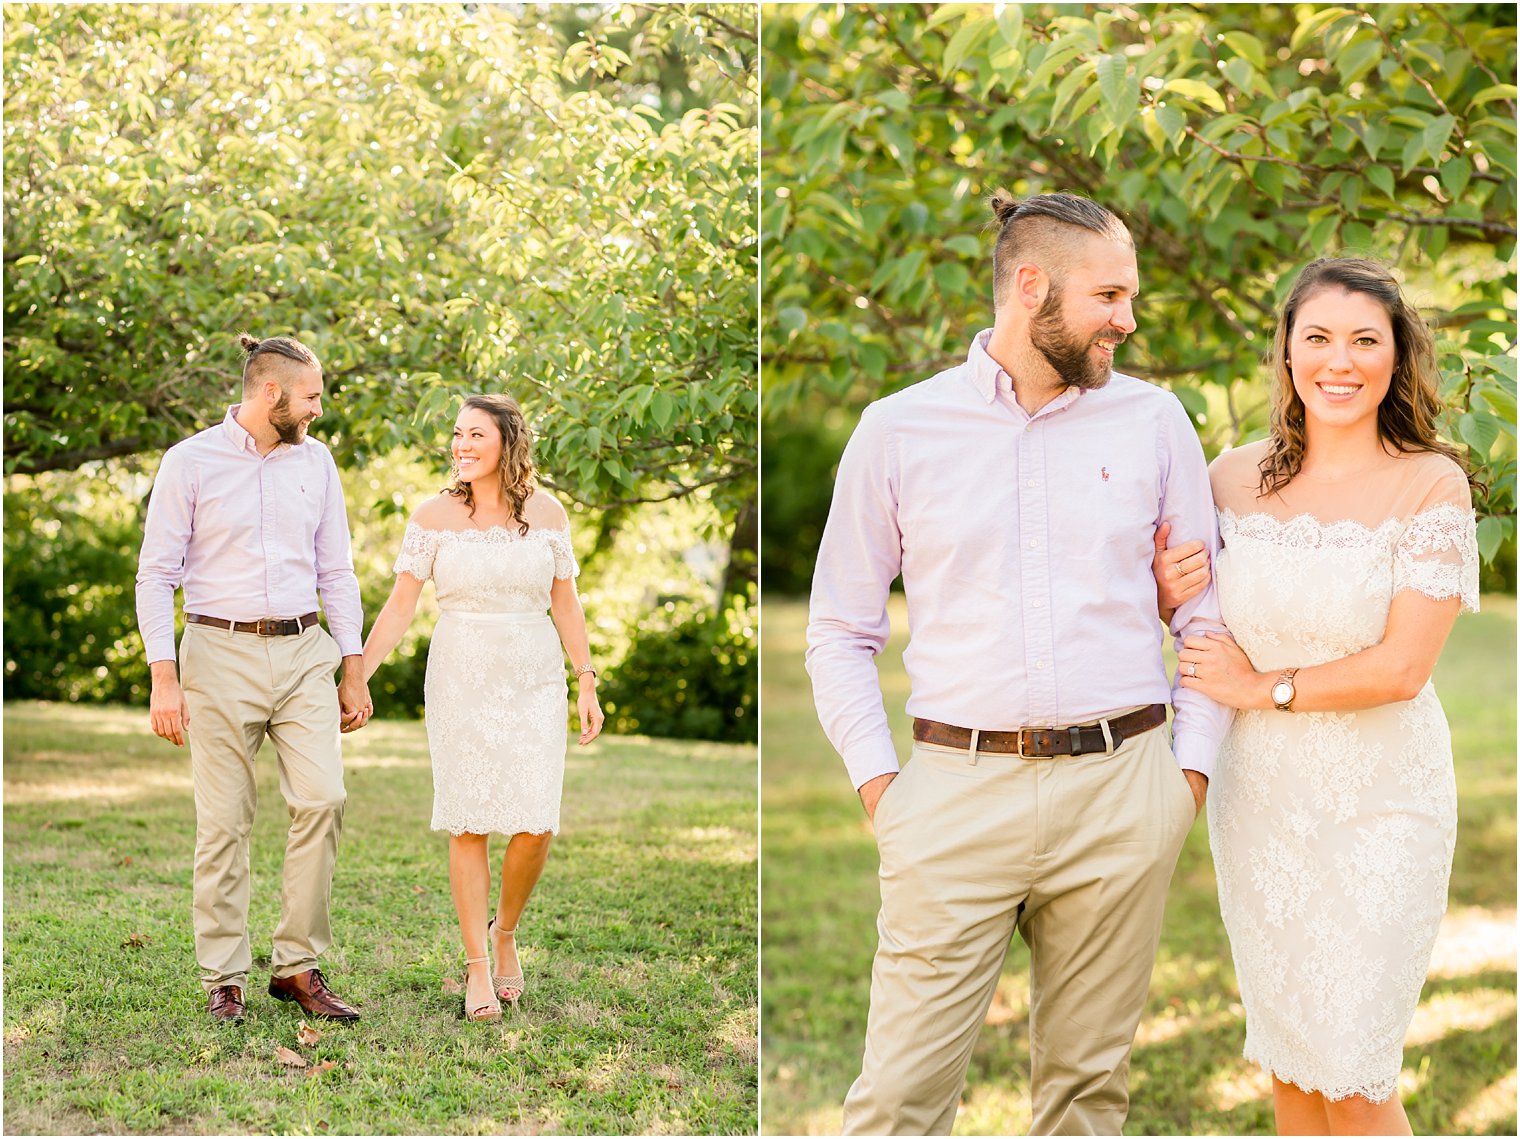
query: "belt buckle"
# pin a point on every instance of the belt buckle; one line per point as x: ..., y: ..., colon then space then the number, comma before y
x: 270, y: 626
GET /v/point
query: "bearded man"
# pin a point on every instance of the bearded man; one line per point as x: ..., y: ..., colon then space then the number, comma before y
x: 248, y: 517
x: 1018, y: 495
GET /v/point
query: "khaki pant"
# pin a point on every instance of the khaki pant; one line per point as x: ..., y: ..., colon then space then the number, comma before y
x: 1076, y: 853
x: 239, y: 687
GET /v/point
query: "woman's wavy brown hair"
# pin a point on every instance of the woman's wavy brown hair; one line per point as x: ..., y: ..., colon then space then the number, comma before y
x: 516, y: 468
x: 1407, y: 415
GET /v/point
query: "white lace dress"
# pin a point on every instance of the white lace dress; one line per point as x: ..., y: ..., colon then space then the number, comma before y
x: 495, y: 695
x: 1332, y: 833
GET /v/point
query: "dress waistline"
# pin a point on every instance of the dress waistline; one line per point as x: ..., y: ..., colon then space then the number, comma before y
x: 497, y: 618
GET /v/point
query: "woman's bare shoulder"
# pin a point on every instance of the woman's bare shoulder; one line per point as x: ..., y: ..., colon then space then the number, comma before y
x: 544, y: 511
x: 441, y: 512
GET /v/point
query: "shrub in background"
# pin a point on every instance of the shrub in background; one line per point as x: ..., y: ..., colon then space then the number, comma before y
x: 692, y: 678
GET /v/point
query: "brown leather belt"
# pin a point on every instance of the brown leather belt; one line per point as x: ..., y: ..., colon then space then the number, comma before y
x: 264, y: 626
x: 1043, y: 743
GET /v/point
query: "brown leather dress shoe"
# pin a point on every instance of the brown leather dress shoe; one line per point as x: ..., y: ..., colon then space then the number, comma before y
x: 226, y: 1004
x: 310, y: 991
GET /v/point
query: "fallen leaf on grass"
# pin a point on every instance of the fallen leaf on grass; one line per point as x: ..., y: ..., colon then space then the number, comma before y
x: 419, y: 889
x: 18, y: 1034
x: 450, y: 985
x: 307, y: 1035
x: 324, y: 1066
x: 288, y: 1058
x: 136, y: 941
x: 127, y: 861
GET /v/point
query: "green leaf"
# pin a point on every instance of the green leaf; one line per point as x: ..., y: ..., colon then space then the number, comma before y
x: 952, y: 278
x: 663, y: 408
x: 970, y: 35
x: 1316, y: 22
x: 792, y: 318
x: 1437, y: 134
x: 1381, y: 177
x: 1455, y: 176
x: 1010, y: 22
x: 1111, y: 69
x: 1200, y: 93
x: 1360, y: 58
x: 1248, y: 47
x: 1490, y: 537
x: 1479, y: 430
x: 1489, y: 94
x: 1173, y: 122
x: 1503, y: 404
x: 965, y: 244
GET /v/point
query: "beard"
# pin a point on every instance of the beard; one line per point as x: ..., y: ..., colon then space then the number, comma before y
x: 290, y: 429
x: 1070, y: 355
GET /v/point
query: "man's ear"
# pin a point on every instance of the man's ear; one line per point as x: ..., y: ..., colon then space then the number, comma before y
x: 1031, y: 285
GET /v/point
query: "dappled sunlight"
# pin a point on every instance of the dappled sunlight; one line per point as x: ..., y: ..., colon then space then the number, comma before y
x: 1474, y: 940
x: 352, y: 761
x: 739, y: 1031
x: 1237, y: 1084
x: 1491, y: 1108
x: 1010, y: 1001
x: 96, y: 789
x: 1445, y: 1013
x: 827, y: 1120
x: 1000, y: 1108
x: 1172, y: 1024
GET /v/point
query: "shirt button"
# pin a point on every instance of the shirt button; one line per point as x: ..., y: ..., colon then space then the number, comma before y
x: 1036, y: 604
x: 1034, y: 543
x: 1039, y: 664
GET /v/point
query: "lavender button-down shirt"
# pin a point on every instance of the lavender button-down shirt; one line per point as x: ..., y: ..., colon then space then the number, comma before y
x: 248, y: 536
x: 1025, y: 545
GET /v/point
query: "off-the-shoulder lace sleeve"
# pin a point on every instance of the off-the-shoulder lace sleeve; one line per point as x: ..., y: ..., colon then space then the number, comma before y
x: 1437, y: 554
x: 565, y: 564
x: 418, y: 548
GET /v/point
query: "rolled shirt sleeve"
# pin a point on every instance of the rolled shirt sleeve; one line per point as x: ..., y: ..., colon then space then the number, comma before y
x: 1199, y: 724
x: 858, y: 558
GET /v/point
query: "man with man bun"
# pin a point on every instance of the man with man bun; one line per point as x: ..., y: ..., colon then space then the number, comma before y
x: 1018, y: 495
x: 248, y: 518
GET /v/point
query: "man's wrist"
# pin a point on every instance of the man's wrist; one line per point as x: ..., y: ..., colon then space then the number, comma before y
x: 162, y: 670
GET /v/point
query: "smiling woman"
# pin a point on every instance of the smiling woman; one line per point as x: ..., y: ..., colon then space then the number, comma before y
x: 1349, y: 549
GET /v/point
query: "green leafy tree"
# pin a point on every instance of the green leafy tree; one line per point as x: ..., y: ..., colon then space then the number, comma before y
x: 440, y: 199
x: 1239, y: 141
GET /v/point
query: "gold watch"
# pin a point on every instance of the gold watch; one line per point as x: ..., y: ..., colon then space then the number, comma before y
x: 1283, y: 692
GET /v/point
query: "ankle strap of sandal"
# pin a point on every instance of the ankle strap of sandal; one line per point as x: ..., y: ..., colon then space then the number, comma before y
x: 475, y: 960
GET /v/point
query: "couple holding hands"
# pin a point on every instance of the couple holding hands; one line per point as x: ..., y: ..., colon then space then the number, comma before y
x: 1026, y: 497
x: 248, y: 518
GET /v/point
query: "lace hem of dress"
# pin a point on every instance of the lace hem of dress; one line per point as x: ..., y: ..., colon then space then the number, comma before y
x: 1376, y: 1091
x: 511, y: 822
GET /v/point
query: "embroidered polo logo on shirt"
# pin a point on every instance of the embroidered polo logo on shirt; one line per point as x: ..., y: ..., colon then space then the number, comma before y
x: 1104, y: 473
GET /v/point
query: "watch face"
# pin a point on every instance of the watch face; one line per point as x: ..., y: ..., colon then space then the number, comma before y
x: 1282, y: 692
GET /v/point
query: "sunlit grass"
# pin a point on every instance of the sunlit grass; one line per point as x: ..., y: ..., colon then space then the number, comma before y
x: 639, y: 948
x: 1187, y: 1076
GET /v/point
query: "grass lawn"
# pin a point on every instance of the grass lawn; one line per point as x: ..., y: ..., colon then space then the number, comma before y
x: 820, y: 897
x: 639, y: 947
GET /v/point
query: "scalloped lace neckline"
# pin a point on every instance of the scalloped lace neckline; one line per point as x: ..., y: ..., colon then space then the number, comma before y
x: 506, y: 531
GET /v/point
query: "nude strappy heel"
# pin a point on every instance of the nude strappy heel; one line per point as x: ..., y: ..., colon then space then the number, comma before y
x: 501, y: 983
x: 491, y: 1011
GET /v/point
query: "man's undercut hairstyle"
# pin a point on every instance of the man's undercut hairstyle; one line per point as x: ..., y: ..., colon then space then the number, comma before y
x: 1043, y: 231
x: 262, y: 356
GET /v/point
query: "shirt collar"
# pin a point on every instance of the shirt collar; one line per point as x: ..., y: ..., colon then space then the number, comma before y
x: 986, y: 374
x: 236, y: 433
x: 990, y: 380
